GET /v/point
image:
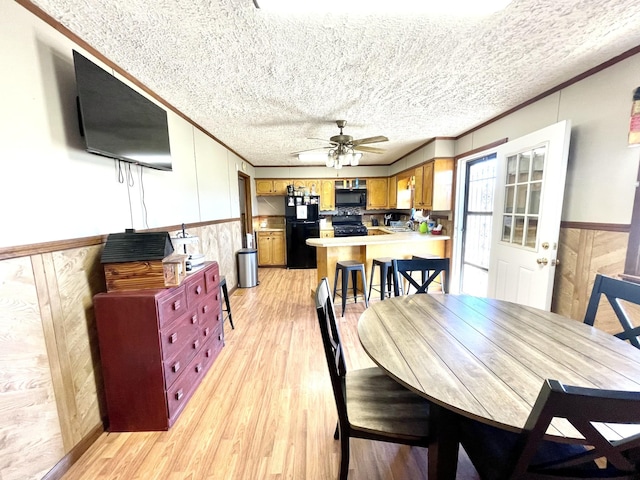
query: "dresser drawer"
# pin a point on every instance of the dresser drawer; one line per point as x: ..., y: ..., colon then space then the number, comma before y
x: 212, y: 279
x: 194, y: 287
x: 209, y: 313
x: 185, y: 332
x: 174, y: 367
x: 172, y: 306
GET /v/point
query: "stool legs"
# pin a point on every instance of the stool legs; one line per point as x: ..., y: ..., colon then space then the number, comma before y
x: 345, y: 284
x: 225, y: 294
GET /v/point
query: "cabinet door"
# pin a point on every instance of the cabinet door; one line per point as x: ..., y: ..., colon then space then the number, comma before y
x: 427, y: 185
x: 264, y: 187
x: 418, y: 201
x: 377, y: 189
x: 392, y: 201
x: 326, y: 234
x: 280, y: 187
x: 327, y: 195
x: 264, y: 248
x: 277, y: 248
x: 442, y: 184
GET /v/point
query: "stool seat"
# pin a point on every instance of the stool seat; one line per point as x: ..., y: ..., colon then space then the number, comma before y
x: 385, y: 286
x: 355, y: 267
x: 226, y: 308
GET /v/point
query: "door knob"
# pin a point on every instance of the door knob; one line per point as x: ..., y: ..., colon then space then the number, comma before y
x: 542, y: 261
x: 555, y: 262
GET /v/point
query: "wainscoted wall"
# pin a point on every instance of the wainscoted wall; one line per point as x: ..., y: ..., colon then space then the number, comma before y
x: 51, y: 394
x: 584, y: 251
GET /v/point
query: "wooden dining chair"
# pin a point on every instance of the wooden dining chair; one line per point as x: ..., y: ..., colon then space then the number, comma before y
x: 615, y: 290
x: 370, y: 404
x: 403, y: 268
x: 500, y: 454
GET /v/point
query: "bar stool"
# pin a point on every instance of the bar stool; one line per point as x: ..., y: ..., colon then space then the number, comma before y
x: 226, y: 311
x: 346, y: 266
x: 386, y: 277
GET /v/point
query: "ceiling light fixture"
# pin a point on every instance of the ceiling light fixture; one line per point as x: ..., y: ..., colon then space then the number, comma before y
x: 341, y: 156
x: 453, y: 7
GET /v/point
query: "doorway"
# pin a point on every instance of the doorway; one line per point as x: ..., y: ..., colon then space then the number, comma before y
x: 246, y: 217
x: 477, y: 225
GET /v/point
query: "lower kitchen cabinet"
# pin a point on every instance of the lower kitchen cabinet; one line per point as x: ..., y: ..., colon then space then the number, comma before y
x: 156, y: 346
x: 271, y: 248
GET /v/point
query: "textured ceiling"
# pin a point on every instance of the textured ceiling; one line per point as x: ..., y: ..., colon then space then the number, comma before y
x: 264, y: 83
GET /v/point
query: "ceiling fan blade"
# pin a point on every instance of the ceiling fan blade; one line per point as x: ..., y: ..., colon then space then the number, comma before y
x: 369, y: 149
x: 322, y: 140
x: 379, y: 138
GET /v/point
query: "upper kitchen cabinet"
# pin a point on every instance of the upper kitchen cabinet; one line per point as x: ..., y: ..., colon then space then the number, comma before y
x: 434, y: 185
x: 269, y: 186
x: 392, y: 200
x: 327, y: 195
x: 377, y: 193
x: 312, y: 185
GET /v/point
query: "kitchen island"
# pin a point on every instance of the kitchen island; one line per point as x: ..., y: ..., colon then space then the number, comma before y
x: 364, y: 249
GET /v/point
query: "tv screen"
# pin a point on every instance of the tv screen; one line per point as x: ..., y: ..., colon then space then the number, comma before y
x: 117, y: 121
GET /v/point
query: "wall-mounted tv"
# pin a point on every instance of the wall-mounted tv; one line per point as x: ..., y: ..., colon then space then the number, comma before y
x: 118, y: 122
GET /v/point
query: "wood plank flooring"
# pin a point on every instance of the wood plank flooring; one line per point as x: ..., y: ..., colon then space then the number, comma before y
x: 265, y: 409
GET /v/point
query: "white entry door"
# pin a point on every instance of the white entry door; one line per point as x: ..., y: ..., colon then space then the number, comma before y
x: 530, y: 179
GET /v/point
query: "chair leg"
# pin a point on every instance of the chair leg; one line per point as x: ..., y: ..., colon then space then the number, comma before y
x: 344, y: 457
x: 225, y: 294
x: 345, y: 290
x: 364, y: 285
x: 354, y: 284
x: 335, y: 284
x: 371, y: 281
x: 336, y: 434
x: 382, y: 281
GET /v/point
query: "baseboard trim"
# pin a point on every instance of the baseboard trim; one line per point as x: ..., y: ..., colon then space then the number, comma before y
x: 63, y: 466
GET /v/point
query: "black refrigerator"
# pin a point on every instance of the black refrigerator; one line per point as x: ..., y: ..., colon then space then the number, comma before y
x: 301, y: 213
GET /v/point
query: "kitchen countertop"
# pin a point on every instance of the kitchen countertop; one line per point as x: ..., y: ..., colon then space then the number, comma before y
x: 399, y: 237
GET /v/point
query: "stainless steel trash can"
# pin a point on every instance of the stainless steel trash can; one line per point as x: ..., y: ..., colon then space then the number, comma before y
x: 247, y: 267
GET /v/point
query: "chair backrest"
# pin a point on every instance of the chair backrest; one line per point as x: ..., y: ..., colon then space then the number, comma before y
x: 582, y: 407
x: 333, y: 349
x: 615, y: 290
x: 402, y: 268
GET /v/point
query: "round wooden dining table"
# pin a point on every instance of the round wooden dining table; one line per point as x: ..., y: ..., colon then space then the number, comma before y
x: 487, y: 359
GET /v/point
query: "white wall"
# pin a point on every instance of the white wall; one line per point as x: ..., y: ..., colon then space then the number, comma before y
x: 51, y: 189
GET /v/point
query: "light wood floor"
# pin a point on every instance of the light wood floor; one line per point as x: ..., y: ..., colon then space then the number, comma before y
x: 265, y: 409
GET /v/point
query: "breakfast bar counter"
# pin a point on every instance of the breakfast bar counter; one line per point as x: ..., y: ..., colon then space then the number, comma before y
x: 365, y: 248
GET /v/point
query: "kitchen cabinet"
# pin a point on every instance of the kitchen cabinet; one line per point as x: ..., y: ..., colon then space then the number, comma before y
x: 268, y: 186
x: 312, y: 185
x: 327, y: 195
x: 156, y: 346
x: 392, y: 200
x: 434, y: 185
x: 271, y: 248
x: 377, y: 193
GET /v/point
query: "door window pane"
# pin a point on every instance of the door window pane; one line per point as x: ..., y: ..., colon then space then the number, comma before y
x: 518, y: 231
x: 534, y: 198
x: 511, y: 169
x: 508, y: 199
x: 506, y: 228
x: 531, y: 232
x: 523, y: 167
x: 521, y: 198
x: 538, y: 163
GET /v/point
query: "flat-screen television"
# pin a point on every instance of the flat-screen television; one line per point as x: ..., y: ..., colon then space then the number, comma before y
x: 118, y: 122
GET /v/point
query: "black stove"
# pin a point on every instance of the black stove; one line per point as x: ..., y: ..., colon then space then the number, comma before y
x: 348, y: 226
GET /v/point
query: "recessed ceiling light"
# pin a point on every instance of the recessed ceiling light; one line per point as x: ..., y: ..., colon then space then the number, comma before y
x: 451, y: 7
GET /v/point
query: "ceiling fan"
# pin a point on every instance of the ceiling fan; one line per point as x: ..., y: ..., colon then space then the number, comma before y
x: 347, y: 141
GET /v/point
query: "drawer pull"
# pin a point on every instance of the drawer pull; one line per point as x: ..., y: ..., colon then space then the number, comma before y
x: 173, y: 338
x: 217, y: 297
x: 176, y: 367
x: 194, y: 319
x: 196, y: 344
x: 198, y: 368
x: 220, y: 337
x: 208, y: 352
x: 177, y: 305
x: 219, y: 317
x: 179, y: 394
x: 198, y: 290
x: 206, y: 332
x: 205, y: 308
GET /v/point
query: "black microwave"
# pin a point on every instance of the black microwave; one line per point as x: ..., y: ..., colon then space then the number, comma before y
x: 351, y: 197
